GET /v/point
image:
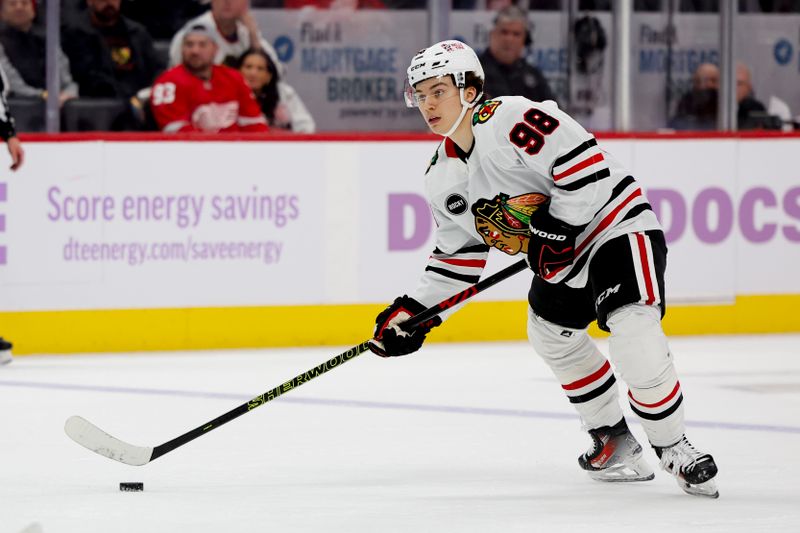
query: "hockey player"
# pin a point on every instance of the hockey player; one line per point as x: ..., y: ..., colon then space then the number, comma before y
x: 524, y: 177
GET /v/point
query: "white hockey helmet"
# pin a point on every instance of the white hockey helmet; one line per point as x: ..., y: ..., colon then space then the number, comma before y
x: 442, y: 59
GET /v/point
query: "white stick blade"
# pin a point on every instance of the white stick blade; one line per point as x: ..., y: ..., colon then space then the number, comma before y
x: 93, y: 438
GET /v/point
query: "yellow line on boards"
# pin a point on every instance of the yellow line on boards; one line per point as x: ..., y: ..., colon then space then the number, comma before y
x: 342, y: 325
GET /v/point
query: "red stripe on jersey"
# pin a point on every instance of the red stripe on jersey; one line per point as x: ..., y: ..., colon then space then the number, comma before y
x: 449, y: 148
x: 464, y: 262
x: 588, y: 379
x: 648, y: 280
x: 606, y: 221
x: 580, y: 166
x: 657, y: 404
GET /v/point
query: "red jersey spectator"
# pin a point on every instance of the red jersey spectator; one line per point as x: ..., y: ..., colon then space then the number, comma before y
x: 201, y: 96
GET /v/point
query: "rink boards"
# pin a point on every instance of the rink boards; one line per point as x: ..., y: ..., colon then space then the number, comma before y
x: 130, y: 243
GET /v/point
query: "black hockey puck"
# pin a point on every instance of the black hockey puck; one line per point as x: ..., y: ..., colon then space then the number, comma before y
x: 131, y: 486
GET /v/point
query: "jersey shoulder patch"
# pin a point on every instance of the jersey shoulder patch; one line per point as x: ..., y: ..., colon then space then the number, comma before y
x: 485, y: 111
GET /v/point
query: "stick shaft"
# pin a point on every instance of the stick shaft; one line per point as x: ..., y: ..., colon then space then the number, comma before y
x: 260, y: 400
x: 330, y: 364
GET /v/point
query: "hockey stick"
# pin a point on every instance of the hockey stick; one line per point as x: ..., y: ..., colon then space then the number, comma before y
x: 93, y: 438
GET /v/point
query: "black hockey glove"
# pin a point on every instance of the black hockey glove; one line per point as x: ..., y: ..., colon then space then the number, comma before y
x: 389, y: 339
x: 552, y: 244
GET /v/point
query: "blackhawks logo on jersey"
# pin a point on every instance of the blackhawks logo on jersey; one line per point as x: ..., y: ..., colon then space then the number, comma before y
x: 485, y: 111
x: 504, y: 221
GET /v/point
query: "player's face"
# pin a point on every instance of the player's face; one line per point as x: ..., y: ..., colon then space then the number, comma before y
x: 229, y: 9
x: 255, y: 71
x: 439, y: 103
x: 18, y: 13
x: 198, y: 51
x: 506, y: 41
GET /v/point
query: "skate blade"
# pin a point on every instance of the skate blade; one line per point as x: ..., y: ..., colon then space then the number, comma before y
x: 639, y: 470
x: 707, y: 489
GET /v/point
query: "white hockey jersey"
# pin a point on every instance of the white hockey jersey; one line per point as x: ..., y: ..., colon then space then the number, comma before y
x: 524, y: 153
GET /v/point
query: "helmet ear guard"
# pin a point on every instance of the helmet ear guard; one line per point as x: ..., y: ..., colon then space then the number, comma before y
x: 461, y: 79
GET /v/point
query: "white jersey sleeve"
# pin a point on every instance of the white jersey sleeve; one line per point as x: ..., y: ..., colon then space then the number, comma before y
x: 459, y: 257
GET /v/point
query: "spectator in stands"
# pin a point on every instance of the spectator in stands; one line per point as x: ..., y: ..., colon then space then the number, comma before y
x: 697, y: 109
x: 279, y: 102
x: 507, y: 71
x: 750, y: 112
x: 111, y: 55
x: 22, y: 53
x: 233, y: 27
x: 198, y: 95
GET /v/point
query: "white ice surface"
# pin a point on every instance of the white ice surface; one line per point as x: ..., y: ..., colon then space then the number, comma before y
x: 457, y: 438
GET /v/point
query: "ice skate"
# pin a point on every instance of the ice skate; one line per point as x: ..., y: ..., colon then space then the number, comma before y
x: 693, y: 469
x: 615, y: 455
x: 5, y: 351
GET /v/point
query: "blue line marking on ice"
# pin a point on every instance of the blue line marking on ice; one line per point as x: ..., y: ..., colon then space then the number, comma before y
x: 362, y: 404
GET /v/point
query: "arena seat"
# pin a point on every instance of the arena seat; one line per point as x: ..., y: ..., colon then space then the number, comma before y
x: 28, y: 113
x: 97, y: 114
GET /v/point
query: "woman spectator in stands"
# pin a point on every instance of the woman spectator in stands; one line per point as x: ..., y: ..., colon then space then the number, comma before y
x: 22, y: 53
x: 279, y: 102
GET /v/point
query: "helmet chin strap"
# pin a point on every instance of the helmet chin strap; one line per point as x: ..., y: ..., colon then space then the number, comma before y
x: 464, y: 107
